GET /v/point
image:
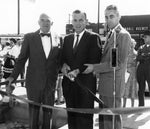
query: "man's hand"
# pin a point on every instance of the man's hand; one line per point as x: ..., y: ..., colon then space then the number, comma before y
x: 9, y: 87
x: 65, y: 69
x: 89, y: 68
x: 73, y: 74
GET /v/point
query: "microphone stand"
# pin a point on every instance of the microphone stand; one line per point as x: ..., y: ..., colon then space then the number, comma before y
x: 114, y: 63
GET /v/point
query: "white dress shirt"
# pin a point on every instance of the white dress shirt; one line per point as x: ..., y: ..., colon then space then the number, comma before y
x: 46, y: 42
x: 75, y: 37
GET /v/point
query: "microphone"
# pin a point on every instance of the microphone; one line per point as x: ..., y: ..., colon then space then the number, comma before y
x: 114, y: 57
x: 114, y: 53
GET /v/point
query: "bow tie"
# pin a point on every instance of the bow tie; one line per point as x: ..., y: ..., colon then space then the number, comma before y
x: 42, y: 34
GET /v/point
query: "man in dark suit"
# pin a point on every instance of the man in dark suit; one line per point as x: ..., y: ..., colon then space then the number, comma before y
x: 74, y: 58
x: 113, y: 65
x: 143, y: 68
x: 42, y: 51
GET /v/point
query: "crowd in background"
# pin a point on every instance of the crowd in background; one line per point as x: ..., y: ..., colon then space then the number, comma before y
x: 9, y: 52
x: 138, y: 77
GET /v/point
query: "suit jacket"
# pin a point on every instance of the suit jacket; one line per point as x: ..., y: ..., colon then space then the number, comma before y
x: 106, y: 71
x: 40, y: 69
x: 87, y: 52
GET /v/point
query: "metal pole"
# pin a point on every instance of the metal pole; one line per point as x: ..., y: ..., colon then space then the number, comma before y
x: 100, y: 117
x: 98, y: 16
x: 18, y: 18
x: 69, y: 19
x: 114, y: 70
x: 114, y: 94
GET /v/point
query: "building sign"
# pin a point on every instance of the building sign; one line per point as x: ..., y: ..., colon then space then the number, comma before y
x: 138, y: 29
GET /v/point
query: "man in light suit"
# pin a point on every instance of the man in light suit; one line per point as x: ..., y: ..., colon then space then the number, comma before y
x: 41, y: 50
x: 74, y: 58
x: 110, y: 91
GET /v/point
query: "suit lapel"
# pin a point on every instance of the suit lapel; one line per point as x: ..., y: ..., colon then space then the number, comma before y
x: 71, y: 40
x: 39, y: 44
x: 83, y: 38
x: 51, y: 42
x: 110, y: 41
x: 54, y: 41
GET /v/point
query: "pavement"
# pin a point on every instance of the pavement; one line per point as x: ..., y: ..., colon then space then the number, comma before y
x: 131, y: 121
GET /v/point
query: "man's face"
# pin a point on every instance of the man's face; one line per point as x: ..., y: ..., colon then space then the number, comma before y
x: 112, y: 18
x: 11, y: 43
x: 146, y: 39
x: 79, y: 22
x: 45, y: 23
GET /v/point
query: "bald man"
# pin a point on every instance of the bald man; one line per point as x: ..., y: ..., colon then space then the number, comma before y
x: 41, y: 50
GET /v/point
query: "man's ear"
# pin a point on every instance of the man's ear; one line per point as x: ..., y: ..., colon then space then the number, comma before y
x: 51, y: 23
x: 38, y: 22
x: 87, y: 22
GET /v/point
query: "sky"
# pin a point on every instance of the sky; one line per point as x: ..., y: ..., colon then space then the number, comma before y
x: 60, y: 11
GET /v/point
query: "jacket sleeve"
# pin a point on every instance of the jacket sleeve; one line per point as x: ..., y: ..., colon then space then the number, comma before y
x: 95, y: 51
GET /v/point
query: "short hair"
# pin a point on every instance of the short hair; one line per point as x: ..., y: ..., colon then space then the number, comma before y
x: 45, y: 15
x: 112, y: 7
x: 13, y: 40
x: 146, y: 32
x: 79, y: 11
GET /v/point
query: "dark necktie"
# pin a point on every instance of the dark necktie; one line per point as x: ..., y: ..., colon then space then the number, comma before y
x: 109, y: 35
x: 76, y: 44
x: 106, y: 42
x: 43, y: 34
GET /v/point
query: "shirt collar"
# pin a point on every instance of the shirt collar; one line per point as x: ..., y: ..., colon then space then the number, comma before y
x: 115, y: 28
x: 80, y: 35
x: 42, y: 32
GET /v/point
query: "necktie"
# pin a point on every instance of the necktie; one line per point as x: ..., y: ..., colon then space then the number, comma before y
x: 109, y: 35
x: 107, y: 38
x: 76, y: 44
x: 43, y: 34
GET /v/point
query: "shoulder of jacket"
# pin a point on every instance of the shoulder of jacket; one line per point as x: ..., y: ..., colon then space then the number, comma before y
x: 68, y: 35
x: 93, y: 34
x: 29, y: 34
x: 124, y: 33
